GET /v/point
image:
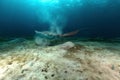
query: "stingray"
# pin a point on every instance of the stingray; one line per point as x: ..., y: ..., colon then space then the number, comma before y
x: 44, y: 38
x: 49, y: 34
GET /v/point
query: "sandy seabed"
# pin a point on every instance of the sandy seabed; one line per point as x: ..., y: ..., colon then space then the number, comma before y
x: 80, y: 60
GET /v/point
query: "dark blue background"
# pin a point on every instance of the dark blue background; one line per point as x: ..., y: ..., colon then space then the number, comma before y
x: 20, y: 19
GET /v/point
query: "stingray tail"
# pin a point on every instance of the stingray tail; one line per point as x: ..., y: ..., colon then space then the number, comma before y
x: 70, y: 34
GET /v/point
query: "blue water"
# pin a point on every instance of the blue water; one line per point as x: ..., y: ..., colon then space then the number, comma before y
x: 94, y: 18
